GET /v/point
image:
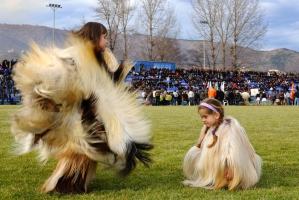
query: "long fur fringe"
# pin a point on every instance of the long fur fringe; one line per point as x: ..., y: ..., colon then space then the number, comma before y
x: 75, y: 110
x: 205, y: 167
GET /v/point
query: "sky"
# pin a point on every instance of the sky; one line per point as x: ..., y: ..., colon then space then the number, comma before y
x: 282, y: 17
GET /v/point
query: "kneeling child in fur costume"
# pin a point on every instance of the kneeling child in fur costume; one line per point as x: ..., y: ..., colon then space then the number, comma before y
x: 224, y: 156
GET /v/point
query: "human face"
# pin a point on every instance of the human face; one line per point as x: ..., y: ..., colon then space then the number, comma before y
x: 209, y: 119
x: 103, y: 42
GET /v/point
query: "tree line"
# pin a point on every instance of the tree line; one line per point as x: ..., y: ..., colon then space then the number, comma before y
x: 230, y: 31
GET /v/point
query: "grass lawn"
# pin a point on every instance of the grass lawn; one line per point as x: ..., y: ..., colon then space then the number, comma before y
x: 272, y: 130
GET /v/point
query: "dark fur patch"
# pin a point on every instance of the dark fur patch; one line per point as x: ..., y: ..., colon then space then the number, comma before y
x: 114, y: 76
x: 93, y: 126
x: 37, y: 137
x: 117, y: 74
x: 71, y: 185
x: 74, y: 182
x: 139, y: 151
x: 48, y: 104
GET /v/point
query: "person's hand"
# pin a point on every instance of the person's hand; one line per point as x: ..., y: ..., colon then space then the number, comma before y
x: 228, y: 174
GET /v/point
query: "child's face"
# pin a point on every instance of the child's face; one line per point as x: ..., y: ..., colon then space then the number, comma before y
x: 209, y: 119
x: 103, y: 42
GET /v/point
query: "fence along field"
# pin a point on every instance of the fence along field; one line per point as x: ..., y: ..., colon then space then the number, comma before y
x: 272, y: 130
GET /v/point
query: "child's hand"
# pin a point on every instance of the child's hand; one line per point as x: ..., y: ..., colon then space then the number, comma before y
x: 229, y: 174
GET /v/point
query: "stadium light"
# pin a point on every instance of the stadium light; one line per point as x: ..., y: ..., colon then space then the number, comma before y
x: 204, y: 46
x: 54, y: 7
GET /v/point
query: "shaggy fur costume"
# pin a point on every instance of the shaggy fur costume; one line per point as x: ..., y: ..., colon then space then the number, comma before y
x: 205, y: 167
x: 80, y: 113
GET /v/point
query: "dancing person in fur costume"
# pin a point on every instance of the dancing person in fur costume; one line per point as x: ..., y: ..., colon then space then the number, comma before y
x: 224, y: 156
x: 76, y: 108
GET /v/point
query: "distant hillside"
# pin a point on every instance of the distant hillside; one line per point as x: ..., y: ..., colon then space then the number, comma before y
x: 14, y: 40
x: 281, y: 59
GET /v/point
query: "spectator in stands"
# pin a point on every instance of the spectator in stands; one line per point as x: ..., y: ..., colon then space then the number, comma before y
x: 148, y: 100
x: 220, y: 95
x: 168, y: 98
x: 292, y: 95
x: 179, y: 98
x: 175, y: 98
x: 281, y: 97
x: 196, y: 97
x: 258, y: 98
x: 164, y: 101
x: 158, y: 93
x: 237, y: 97
x: 191, y: 97
x: 273, y: 98
x: 144, y: 95
x: 203, y: 94
x: 296, y: 95
x: 230, y: 97
x: 154, y: 98
x: 212, y: 92
x: 2, y: 94
x: 288, y: 98
x: 264, y: 98
x: 184, y: 98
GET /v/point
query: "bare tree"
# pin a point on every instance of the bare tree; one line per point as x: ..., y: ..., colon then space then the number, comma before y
x: 237, y: 24
x: 108, y: 11
x: 169, y: 50
x: 167, y: 45
x: 223, y: 28
x: 195, y: 55
x: 126, y: 12
x: 156, y: 20
x: 203, y: 19
x: 247, y: 28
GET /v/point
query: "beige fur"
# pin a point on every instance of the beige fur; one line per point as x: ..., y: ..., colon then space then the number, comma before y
x: 205, y: 167
x: 53, y: 83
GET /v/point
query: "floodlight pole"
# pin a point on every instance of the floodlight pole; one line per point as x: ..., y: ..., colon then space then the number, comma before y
x: 54, y: 7
x: 204, y: 46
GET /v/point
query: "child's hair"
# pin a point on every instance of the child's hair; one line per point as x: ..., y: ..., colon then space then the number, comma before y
x: 91, y: 31
x: 215, y: 106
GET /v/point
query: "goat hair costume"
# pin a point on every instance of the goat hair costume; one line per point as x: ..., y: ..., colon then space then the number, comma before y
x: 205, y: 167
x: 79, y: 112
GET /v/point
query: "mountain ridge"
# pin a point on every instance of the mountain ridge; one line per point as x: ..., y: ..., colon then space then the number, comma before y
x: 15, y: 39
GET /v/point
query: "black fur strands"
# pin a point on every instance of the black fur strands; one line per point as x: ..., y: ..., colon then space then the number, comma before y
x: 117, y: 74
x: 138, y: 151
x: 77, y: 109
x: 77, y: 172
x: 92, y: 126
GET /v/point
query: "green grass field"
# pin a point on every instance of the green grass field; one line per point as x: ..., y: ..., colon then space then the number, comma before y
x: 272, y: 130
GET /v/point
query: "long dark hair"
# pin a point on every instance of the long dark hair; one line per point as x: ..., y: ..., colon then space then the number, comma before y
x: 217, y: 105
x: 92, y: 31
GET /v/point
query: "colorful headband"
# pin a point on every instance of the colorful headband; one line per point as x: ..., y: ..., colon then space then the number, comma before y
x: 209, y: 106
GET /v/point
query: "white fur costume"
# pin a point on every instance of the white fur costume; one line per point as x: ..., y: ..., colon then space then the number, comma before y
x: 205, y: 167
x: 245, y: 96
x: 80, y: 113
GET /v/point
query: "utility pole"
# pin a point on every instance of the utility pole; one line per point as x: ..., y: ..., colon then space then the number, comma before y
x: 54, y: 7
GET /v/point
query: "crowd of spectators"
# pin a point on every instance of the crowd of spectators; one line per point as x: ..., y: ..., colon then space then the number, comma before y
x: 269, y: 84
x: 8, y: 91
x: 164, y: 86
